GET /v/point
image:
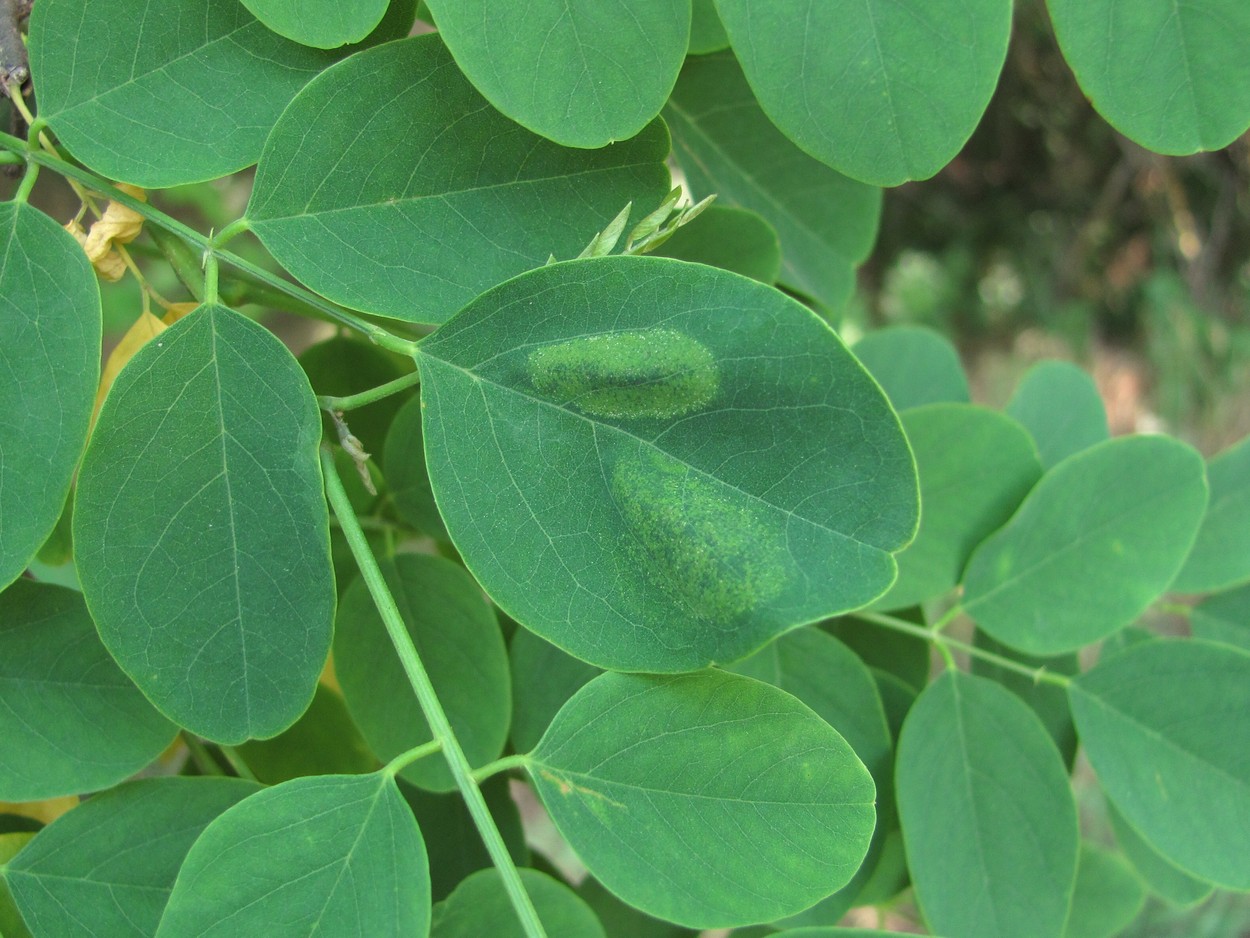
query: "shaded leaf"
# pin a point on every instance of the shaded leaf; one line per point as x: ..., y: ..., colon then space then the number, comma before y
x: 583, y: 75
x: 1172, y: 76
x: 884, y: 91
x: 726, y: 145
x: 403, y: 464
x: 1166, y: 725
x: 1221, y: 555
x: 706, y: 32
x: 1224, y: 617
x: 201, y: 528
x: 1164, y: 878
x: 323, y: 741
x: 1058, y: 403
x: 352, y: 863
x: 163, y: 92
x: 988, y: 818
x: 458, y: 639
x: 543, y: 679
x: 457, y: 198
x: 975, y: 467
x: 108, y: 866
x: 1108, y: 895
x: 50, y: 362
x: 914, y: 365
x: 1097, y: 540
x: 901, y: 655
x: 708, y: 799
x: 670, y: 494
x: 324, y: 24
x: 730, y: 238
x: 71, y: 721
x: 624, y: 921
x: 480, y: 906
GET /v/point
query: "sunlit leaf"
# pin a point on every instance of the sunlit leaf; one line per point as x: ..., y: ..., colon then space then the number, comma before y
x: 71, y: 721
x: 988, y: 817
x: 324, y: 24
x: 335, y: 854
x: 708, y: 799
x: 457, y: 198
x: 49, y: 365
x: 1097, y: 540
x: 1166, y: 725
x: 681, y: 463
x: 201, y: 528
x: 582, y: 74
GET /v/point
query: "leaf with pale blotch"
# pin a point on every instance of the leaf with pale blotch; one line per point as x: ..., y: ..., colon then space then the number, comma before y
x: 1171, y: 75
x: 710, y: 800
x: 726, y: 145
x: 108, y: 866
x: 336, y: 854
x: 50, y: 359
x: 71, y: 721
x: 682, y: 463
x: 1097, y: 540
x: 163, y: 92
x: 457, y: 197
x: 480, y: 906
x: 988, y: 817
x: 884, y: 90
x: 581, y: 74
x: 915, y: 366
x: 1166, y: 725
x: 201, y: 528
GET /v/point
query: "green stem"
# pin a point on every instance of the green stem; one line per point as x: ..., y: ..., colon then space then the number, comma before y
x: 236, y: 227
x: 241, y: 768
x: 211, y: 296
x: 396, y: 765
x: 1037, y: 675
x: 27, y: 183
x: 428, y: 699
x: 353, y: 401
x: 200, y: 755
x: 947, y: 617
x: 500, y: 765
x: 379, y: 335
x: 1176, y: 609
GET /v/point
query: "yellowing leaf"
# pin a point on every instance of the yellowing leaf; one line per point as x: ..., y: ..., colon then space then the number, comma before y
x: 145, y: 328
x: 177, y: 310
x: 45, y: 811
x: 118, y: 225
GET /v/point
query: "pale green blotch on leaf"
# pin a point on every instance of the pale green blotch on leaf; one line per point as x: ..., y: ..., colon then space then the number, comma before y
x: 647, y: 373
x: 718, y: 558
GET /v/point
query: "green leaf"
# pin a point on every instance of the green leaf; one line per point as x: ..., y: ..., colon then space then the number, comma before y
x: 582, y: 74
x: 335, y: 854
x: 682, y: 463
x: 706, y: 32
x: 107, y: 867
x: 11, y: 924
x: 1059, y: 405
x: 710, y: 799
x: 341, y: 366
x: 1224, y: 617
x: 325, y: 24
x: 163, y: 92
x: 726, y: 145
x: 324, y: 741
x: 1108, y: 895
x: 543, y: 679
x: 480, y: 906
x: 456, y: 198
x: 624, y: 921
x: 201, y: 528
x: 403, y: 465
x: 1221, y: 554
x: 975, y: 466
x: 897, y: 697
x: 71, y: 721
x: 914, y: 365
x: 1098, y: 539
x: 451, y: 838
x: 837, y: 933
x: 885, y: 90
x: 1047, y: 700
x: 1166, y: 725
x: 988, y: 817
x: 1164, y: 878
x: 50, y: 359
x: 904, y: 656
x: 1171, y: 75
x: 729, y: 238
x: 460, y: 645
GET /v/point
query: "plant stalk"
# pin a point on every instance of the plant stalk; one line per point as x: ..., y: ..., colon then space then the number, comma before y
x: 428, y: 699
x: 353, y: 401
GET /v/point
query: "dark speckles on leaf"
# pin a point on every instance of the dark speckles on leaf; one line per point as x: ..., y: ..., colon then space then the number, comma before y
x: 648, y: 373
x: 719, y: 558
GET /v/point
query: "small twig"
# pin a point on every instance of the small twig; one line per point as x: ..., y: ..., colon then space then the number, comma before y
x: 14, y: 66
